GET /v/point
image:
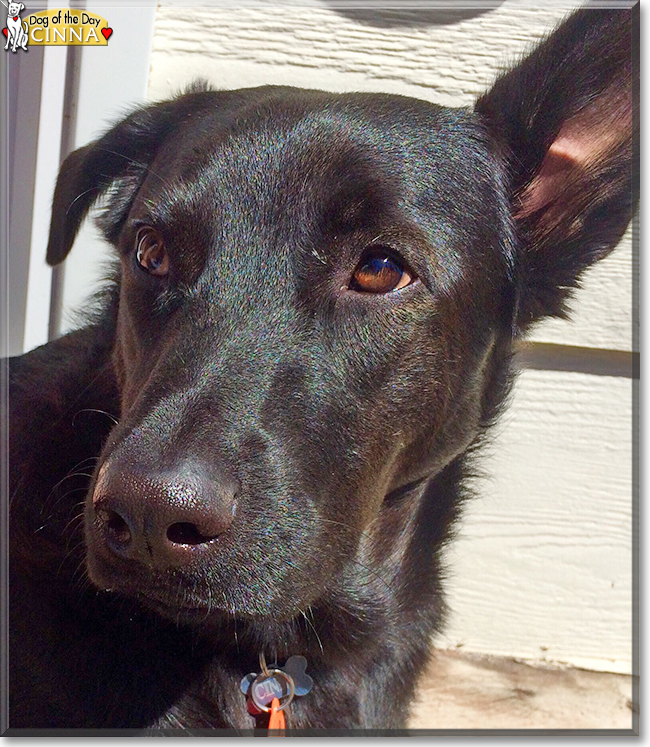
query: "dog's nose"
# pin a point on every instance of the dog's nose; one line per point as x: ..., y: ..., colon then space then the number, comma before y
x: 161, y: 518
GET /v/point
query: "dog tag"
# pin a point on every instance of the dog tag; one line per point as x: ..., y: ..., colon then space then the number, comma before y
x: 277, y: 685
x: 295, y: 667
x: 281, y: 683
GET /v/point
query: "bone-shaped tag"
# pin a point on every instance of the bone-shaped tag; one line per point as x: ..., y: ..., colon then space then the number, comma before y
x: 295, y: 667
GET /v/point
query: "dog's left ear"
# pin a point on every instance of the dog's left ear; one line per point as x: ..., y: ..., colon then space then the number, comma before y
x: 566, y: 122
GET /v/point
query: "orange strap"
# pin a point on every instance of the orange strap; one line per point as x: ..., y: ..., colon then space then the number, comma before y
x: 276, y: 720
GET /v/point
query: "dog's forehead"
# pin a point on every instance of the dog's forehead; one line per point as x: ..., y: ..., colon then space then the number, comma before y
x: 294, y: 167
x: 268, y: 142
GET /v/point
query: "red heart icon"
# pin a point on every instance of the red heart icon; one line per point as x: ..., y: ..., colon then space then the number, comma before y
x: 107, y: 32
x: 15, y: 18
x: 4, y: 31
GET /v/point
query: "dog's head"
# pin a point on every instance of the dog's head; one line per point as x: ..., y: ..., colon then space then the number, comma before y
x: 15, y: 8
x: 318, y: 298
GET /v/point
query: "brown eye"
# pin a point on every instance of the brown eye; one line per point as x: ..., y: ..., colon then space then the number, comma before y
x: 151, y: 254
x: 380, y: 272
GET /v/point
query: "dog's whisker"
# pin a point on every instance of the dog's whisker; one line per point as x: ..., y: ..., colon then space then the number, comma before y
x: 52, y: 518
x: 140, y: 164
x: 373, y: 573
x: 66, y: 558
x: 73, y: 473
x: 234, y: 626
x: 79, y: 577
x: 78, y: 197
x: 75, y: 519
x: 52, y: 508
x: 112, y: 418
x: 319, y: 256
x: 311, y: 625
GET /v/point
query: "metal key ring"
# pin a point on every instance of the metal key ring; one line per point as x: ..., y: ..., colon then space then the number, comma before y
x: 282, y: 675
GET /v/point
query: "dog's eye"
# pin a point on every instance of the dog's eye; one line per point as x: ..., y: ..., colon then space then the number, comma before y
x: 380, y: 272
x: 151, y: 254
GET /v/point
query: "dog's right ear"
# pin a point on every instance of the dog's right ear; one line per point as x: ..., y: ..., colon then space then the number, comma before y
x: 565, y: 121
x: 124, y: 152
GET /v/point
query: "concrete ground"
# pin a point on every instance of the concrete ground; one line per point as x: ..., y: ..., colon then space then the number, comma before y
x: 466, y: 691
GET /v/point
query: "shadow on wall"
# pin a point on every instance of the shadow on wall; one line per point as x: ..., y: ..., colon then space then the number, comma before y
x: 412, y: 17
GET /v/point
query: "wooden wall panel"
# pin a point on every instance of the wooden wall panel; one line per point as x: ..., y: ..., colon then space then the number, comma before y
x: 542, y: 566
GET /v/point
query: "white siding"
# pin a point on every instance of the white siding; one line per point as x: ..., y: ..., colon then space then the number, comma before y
x: 542, y: 566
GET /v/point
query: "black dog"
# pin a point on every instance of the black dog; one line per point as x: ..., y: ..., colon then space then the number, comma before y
x: 272, y: 414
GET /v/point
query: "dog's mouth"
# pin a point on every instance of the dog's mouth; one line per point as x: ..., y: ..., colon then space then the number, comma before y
x: 241, y: 580
x: 186, y: 611
x: 157, y: 594
x: 185, y: 608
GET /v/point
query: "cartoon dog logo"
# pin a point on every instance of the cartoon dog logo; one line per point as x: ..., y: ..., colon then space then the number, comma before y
x: 16, y: 30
